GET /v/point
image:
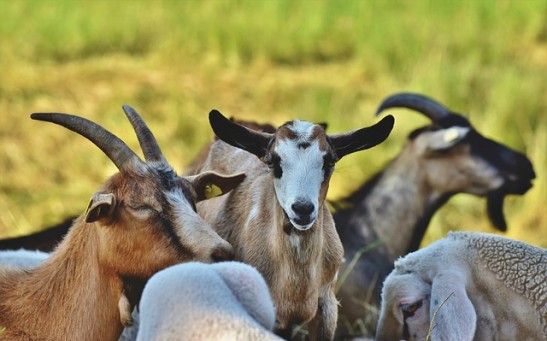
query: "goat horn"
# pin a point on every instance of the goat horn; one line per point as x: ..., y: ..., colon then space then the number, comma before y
x: 427, y: 106
x: 149, y: 145
x: 111, y: 145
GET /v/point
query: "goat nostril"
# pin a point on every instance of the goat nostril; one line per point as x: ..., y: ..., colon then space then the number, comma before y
x: 302, y: 208
x: 223, y: 254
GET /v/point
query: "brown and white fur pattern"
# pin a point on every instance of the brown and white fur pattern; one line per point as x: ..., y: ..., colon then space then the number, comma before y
x: 277, y: 220
x: 142, y: 220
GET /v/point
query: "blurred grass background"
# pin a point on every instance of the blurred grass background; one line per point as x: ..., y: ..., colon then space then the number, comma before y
x: 331, y: 61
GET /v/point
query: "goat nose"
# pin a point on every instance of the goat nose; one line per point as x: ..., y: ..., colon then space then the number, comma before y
x: 223, y: 253
x: 302, y: 208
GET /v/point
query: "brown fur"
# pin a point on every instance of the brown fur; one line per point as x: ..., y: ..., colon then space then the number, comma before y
x: 140, y: 222
x: 301, y: 279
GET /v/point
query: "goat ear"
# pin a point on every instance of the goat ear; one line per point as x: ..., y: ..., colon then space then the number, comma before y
x: 364, y: 138
x: 445, y: 139
x: 456, y: 318
x: 211, y: 184
x: 239, y: 136
x: 100, y: 206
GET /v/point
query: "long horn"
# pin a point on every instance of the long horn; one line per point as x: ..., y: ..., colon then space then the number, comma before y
x: 112, y: 146
x: 149, y: 145
x: 427, y: 106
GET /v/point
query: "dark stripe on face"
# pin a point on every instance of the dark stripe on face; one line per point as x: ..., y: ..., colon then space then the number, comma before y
x: 328, y: 165
x: 171, y: 182
x: 169, y: 229
x: 303, y: 145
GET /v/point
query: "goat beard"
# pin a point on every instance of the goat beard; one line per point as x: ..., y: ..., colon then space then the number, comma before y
x: 494, y: 207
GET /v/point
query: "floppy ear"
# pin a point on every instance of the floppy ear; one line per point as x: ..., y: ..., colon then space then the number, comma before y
x: 390, y: 324
x: 211, y: 184
x: 364, y: 138
x: 445, y: 139
x: 239, y: 136
x: 456, y: 318
x: 100, y: 206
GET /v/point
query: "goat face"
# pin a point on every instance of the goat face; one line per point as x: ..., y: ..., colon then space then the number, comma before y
x: 301, y: 157
x: 462, y: 160
x: 152, y: 222
x: 145, y: 215
x: 448, y: 163
x: 301, y: 161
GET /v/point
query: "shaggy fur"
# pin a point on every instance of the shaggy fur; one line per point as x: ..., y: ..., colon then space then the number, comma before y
x: 483, y: 287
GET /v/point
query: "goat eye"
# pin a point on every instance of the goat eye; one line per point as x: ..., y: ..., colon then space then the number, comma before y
x: 142, y: 208
x: 410, y: 309
x: 328, y: 165
x: 274, y: 162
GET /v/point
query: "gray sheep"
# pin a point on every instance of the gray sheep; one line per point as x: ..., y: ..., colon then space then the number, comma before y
x: 473, y: 286
x: 197, y: 301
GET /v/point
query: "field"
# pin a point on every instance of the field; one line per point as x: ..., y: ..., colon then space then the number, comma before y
x: 324, y: 61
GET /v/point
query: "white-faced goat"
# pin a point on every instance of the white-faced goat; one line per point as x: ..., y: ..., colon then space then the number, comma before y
x: 277, y: 220
x: 467, y: 287
x: 142, y: 220
x: 389, y: 214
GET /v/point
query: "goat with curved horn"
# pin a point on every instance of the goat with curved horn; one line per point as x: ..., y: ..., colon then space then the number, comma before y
x: 388, y: 215
x: 110, y: 144
x: 518, y: 170
x: 142, y: 220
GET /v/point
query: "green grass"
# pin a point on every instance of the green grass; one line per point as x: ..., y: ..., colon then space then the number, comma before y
x: 268, y: 60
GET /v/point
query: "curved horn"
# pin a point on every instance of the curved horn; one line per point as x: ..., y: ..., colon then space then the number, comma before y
x: 149, y: 145
x: 427, y: 106
x: 111, y: 145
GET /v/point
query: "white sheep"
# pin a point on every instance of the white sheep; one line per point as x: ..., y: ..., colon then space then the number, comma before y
x: 197, y: 301
x: 22, y: 259
x: 471, y: 286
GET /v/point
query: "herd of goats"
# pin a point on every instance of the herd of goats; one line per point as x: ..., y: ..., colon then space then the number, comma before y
x: 245, y: 245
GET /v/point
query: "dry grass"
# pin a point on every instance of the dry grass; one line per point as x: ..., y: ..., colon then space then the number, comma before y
x: 271, y: 61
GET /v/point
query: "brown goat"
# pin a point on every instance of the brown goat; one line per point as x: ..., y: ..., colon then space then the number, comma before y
x: 277, y: 220
x: 142, y: 220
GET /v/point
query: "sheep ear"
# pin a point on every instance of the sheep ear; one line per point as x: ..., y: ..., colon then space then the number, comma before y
x: 364, y: 138
x: 390, y: 326
x: 445, y: 139
x: 456, y: 318
x: 100, y: 206
x: 211, y: 184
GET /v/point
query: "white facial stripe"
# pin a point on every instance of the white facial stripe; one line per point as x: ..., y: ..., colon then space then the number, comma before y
x: 302, y: 129
x: 302, y: 174
x: 185, y: 218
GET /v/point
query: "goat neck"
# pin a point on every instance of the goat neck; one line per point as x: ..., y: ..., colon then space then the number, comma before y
x: 89, y: 303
